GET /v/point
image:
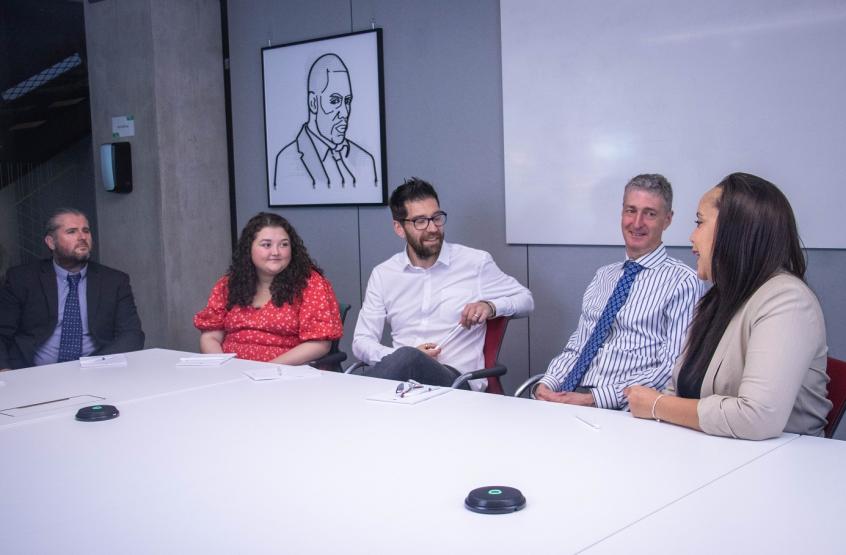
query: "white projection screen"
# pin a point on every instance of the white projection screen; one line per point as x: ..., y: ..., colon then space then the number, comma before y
x: 597, y: 92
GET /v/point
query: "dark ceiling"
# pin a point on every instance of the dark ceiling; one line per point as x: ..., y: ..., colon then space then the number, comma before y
x: 52, y: 111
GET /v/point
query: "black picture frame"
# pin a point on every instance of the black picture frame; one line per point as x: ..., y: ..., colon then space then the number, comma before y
x: 324, y: 121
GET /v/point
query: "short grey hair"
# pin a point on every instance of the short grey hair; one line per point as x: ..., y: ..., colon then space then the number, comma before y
x: 654, y: 183
x: 51, y: 225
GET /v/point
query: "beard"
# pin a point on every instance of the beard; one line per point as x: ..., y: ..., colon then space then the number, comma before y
x: 423, y: 251
x: 69, y: 257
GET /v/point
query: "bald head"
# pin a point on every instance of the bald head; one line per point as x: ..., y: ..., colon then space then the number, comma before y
x: 318, y: 75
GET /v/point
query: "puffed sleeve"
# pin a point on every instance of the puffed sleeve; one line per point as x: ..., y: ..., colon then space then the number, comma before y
x: 319, y: 316
x: 212, y: 317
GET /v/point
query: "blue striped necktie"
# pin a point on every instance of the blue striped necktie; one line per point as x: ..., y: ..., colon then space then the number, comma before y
x: 603, y: 325
x: 70, y: 342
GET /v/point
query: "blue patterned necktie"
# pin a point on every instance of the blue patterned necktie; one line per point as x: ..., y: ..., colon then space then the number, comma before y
x: 603, y: 325
x: 70, y: 342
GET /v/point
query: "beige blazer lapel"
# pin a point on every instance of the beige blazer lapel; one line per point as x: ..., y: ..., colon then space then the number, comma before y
x: 727, y: 363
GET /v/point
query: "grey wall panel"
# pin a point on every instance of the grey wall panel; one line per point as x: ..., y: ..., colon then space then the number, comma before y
x: 330, y: 234
x: 252, y: 26
x: 827, y: 276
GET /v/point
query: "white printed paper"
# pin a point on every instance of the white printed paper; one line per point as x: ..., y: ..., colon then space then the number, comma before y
x: 411, y: 398
x: 103, y: 361
x: 215, y: 359
x: 282, y: 372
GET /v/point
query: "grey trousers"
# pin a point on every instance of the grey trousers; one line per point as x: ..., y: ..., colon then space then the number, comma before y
x: 409, y: 363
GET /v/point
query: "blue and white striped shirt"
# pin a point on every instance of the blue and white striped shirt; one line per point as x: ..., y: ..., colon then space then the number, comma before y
x: 646, y: 337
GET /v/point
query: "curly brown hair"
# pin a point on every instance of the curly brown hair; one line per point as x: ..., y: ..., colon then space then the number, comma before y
x: 288, y: 285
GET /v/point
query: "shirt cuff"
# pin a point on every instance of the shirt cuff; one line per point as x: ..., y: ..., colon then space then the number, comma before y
x: 550, y: 382
x: 609, y: 397
x: 504, y: 306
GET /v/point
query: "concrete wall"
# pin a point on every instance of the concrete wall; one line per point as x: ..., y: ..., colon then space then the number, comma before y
x: 161, y: 62
x: 444, y: 123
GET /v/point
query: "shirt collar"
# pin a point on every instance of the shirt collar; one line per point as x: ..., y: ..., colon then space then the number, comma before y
x: 62, y: 274
x: 444, y: 257
x: 654, y: 258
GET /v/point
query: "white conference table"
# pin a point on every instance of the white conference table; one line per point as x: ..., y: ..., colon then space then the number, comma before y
x: 207, y: 460
x: 789, y: 501
x: 149, y: 373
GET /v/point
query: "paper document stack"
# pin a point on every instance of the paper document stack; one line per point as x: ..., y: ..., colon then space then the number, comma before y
x: 215, y: 359
x: 103, y: 361
x: 282, y: 372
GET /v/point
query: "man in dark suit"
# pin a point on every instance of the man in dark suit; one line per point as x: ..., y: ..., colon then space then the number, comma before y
x: 60, y: 309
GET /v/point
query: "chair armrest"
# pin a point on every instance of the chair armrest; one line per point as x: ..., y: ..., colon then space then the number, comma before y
x: 495, y: 370
x: 528, y: 384
x: 329, y: 361
x: 354, y: 366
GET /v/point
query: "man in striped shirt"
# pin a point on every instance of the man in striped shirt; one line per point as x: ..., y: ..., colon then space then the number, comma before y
x: 648, y: 331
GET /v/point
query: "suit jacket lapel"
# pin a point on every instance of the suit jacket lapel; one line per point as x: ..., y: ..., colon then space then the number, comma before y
x: 92, y: 294
x: 51, y: 292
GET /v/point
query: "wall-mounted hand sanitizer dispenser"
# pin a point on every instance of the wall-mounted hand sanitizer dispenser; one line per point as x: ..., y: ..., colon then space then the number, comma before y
x: 116, y: 167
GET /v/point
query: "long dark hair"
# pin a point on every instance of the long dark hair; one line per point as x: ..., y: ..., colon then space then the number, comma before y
x: 755, y: 238
x: 287, y: 285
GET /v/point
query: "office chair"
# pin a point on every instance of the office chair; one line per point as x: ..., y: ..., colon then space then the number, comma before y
x: 493, y: 370
x: 332, y: 360
x: 528, y: 385
x: 836, y: 393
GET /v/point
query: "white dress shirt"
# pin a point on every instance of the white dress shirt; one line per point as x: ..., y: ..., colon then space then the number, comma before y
x: 423, y: 305
x: 647, y: 334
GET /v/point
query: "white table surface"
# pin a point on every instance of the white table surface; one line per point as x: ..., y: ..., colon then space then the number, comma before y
x: 149, y: 373
x: 789, y: 501
x: 222, y: 463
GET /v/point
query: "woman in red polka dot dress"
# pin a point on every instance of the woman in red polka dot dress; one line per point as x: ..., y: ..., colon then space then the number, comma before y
x: 273, y: 305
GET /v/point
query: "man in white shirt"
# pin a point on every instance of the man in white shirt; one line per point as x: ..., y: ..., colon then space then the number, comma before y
x: 436, y: 297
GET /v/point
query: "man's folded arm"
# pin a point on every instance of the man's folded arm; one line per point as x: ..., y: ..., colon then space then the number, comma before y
x: 506, y: 293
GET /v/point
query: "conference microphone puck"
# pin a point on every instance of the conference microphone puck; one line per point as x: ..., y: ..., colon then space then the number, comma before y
x: 96, y: 413
x: 495, y: 500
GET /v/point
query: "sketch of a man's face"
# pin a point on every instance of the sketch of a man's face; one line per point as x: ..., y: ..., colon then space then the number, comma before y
x: 331, y: 107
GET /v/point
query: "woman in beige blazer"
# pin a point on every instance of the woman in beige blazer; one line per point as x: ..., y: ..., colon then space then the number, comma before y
x: 754, y: 363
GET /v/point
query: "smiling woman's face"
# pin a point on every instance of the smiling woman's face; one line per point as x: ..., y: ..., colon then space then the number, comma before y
x: 271, y: 251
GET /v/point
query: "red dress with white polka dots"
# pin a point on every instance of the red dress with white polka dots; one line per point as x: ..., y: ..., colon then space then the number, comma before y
x: 265, y: 333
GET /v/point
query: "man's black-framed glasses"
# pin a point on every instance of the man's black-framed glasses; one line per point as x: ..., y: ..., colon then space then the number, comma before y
x: 422, y: 222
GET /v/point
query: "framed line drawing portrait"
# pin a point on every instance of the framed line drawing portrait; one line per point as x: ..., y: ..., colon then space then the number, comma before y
x: 324, y: 121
